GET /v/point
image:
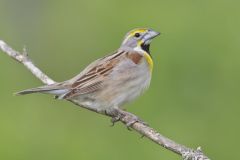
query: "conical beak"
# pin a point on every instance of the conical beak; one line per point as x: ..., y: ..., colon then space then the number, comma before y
x: 153, y: 34
x: 150, y: 35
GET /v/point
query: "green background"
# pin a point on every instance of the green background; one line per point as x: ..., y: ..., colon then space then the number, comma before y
x: 194, y: 96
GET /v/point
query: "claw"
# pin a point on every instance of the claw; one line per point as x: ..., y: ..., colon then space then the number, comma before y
x: 118, y: 114
x: 132, y: 121
x: 114, y: 114
x: 114, y: 120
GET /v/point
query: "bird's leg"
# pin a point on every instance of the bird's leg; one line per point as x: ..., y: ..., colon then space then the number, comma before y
x: 118, y: 114
x: 115, y: 114
x: 130, y: 118
x: 114, y: 120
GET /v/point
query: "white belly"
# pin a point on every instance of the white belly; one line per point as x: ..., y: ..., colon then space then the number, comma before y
x: 121, y: 87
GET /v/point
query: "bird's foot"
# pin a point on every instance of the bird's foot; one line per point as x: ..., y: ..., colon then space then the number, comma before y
x: 115, y: 114
x: 132, y: 119
x: 114, y: 120
x: 129, y: 118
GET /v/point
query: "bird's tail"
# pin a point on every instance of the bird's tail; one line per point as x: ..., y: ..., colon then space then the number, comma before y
x: 49, y: 89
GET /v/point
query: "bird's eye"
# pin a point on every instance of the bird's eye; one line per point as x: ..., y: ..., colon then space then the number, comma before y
x: 137, y: 35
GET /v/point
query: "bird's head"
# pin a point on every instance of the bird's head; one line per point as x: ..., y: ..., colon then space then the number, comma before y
x: 139, y: 39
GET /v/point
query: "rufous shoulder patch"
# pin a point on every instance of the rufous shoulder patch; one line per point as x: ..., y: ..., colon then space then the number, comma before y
x: 135, y: 57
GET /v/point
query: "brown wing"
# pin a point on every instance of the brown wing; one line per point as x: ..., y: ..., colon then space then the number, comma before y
x: 91, y: 79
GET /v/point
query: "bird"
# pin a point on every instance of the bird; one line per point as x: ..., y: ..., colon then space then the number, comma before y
x: 108, y: 83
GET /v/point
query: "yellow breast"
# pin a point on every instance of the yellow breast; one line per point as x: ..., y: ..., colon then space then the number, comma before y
x: 149, y: 60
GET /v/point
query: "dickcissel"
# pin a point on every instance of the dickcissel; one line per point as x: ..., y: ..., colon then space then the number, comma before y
x: 110, y: 82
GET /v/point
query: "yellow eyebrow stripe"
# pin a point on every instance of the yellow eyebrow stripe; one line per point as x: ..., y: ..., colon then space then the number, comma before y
x: 132, y: 33
x: 149, y: 60
x: 138, y: 31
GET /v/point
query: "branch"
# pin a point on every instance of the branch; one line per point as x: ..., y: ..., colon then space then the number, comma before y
x: 140, y: 127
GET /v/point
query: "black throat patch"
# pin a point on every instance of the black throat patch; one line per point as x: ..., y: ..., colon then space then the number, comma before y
x: 146, y: 47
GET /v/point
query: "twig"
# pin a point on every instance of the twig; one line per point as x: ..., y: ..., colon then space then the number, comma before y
x: 140, y: 127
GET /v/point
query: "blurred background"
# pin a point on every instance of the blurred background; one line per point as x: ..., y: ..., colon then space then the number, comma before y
x: 194, y: 96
